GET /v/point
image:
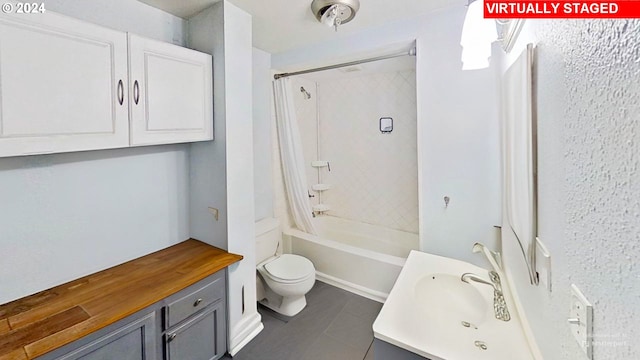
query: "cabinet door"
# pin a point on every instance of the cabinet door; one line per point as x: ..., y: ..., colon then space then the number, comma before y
x: 63, y: 85
x: 200, y: 338
x: 135, y: 341
x: 170, y: 92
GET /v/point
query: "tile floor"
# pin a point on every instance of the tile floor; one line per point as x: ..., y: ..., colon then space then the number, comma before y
x: 335, y: 325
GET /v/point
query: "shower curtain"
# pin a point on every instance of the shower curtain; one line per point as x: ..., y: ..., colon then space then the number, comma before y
x: 295, y: 178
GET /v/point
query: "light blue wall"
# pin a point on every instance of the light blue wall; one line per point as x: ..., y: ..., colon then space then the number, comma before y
x: 262, y: 104
x: 67, y: 215
x: 208, y: 159
x: 222, y: 171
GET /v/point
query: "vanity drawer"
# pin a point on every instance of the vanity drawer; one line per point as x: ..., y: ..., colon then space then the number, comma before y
x: 193, y: 301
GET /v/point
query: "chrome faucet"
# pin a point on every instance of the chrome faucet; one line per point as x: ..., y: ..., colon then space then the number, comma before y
x: 499, y: 304
x: 473, y: 277
x: 492, y: 256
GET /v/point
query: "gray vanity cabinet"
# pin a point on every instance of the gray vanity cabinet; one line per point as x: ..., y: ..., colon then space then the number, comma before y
x: 135, y: 340
x: 194, y: 322
x: 199, y: 338
x: 188, y: 325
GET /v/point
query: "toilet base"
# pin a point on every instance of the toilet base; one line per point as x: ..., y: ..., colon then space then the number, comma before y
x: 285, y: 305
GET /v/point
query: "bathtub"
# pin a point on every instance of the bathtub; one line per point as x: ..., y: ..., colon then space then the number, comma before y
x: 361, y: 258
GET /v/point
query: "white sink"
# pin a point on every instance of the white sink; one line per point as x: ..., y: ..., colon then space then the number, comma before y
x: 434, y: 314
x: 455, y: 300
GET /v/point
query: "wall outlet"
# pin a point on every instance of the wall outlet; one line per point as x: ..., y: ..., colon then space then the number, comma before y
x: 215, y: 212
x: 581, y: 320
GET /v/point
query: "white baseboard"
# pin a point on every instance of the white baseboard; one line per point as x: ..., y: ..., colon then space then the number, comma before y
x: 247, y: 329
x: 351, y: 287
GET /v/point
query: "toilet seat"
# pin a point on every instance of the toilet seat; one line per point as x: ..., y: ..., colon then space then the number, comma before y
x: 289, y: 268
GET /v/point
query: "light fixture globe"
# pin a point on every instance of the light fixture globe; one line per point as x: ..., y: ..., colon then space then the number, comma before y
x: 342, y: 11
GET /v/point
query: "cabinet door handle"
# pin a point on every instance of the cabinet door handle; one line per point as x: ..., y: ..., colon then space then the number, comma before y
x: 136, y: 92
x: 120, y: 92
x: 170, y: 337
x: 197, y: 302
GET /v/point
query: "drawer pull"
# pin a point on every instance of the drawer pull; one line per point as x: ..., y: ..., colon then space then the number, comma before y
x: 171, y: 337
x: 197, y: 302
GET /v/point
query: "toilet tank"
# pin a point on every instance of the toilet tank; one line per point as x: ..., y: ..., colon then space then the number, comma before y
x: 268, y: 236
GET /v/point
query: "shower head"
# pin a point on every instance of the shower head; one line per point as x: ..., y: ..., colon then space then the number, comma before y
x: 307, y: 95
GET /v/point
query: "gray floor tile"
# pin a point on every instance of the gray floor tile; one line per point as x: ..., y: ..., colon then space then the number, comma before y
x: 322, y: 293
x: 262, y: 340
x: 369, y: 355
x: 327, y: 348
x: 265, y: 310
x: 335, y: 322
x: 291, y: 340
x: 351, y: 330
x: 364, y: 308
x: 239, y: 356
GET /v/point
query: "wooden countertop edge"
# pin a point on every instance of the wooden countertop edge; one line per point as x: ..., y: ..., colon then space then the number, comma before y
x: 171, y: 277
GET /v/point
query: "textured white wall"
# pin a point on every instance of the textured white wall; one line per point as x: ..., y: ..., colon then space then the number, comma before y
x: 589, y: 183
x: 458, y: 142
x: 64, y: 216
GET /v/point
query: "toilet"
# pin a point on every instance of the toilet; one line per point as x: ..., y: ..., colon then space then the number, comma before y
x: 283, y: 280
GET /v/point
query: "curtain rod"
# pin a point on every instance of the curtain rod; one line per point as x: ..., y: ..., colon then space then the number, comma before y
x: 411, y: 52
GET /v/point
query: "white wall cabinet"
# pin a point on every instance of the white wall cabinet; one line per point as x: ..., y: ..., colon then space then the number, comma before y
x: 68, y: 85
x: 62, y: 85
x: 171, y: 96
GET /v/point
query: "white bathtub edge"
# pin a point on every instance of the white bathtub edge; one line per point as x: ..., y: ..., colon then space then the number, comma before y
x: 391, y: 259
x: 353, y: 288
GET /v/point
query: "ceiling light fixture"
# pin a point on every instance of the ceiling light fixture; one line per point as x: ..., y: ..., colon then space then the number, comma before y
x: 478, y: 33
x: 335, y: 12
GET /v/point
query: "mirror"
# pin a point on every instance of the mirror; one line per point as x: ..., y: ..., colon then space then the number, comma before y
x: 509, y: 31
x: 519, y: 155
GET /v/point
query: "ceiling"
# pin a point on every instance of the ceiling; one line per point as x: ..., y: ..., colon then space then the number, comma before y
x: 280, y: 25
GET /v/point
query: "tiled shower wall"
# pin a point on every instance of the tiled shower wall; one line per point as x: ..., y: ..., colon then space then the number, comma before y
x: 306, y: 111
x: 374, y: 176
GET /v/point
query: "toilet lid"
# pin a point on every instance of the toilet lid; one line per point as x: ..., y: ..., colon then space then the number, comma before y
x: 290, y: 267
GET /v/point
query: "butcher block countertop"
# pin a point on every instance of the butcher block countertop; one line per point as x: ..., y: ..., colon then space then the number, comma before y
x: 42, y: 322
